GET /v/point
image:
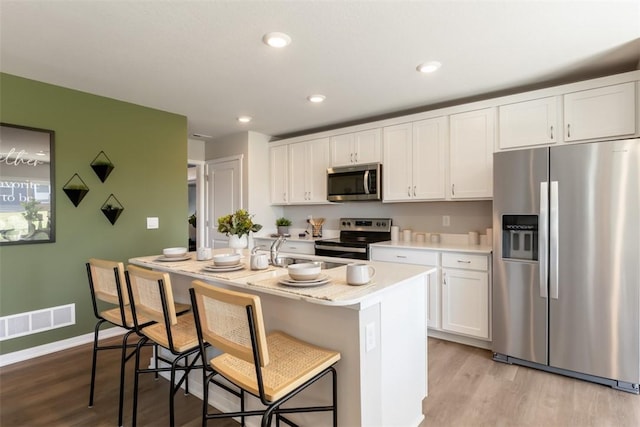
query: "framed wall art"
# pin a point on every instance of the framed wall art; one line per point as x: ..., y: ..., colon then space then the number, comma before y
x: 27, y: 202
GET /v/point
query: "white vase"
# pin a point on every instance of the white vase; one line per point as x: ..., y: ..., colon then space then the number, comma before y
x: 238, y: 243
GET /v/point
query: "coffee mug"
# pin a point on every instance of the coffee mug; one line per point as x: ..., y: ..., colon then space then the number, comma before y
x: 259, y: 261
x: 203, y: 254
x: 359, y: 274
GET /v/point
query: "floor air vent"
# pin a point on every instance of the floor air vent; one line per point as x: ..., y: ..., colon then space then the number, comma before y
x: 19, y: 325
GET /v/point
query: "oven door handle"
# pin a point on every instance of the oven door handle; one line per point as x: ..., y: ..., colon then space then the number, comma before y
x: 341, y: 249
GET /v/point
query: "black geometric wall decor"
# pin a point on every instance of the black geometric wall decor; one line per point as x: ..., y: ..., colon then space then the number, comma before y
x: 112, y: 209
x: 102, y: 166
x: 75, y: 189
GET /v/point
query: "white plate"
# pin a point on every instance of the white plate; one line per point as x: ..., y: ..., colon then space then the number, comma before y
x: 320, y: 278
x: 175, y: 258
x: 306, y: 284
x: 221, y: 269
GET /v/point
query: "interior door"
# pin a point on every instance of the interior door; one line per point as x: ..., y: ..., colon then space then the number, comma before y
x: 224, y: 185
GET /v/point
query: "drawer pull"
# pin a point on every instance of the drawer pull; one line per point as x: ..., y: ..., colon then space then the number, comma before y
x: 464, y: 262
x: 401, y: 256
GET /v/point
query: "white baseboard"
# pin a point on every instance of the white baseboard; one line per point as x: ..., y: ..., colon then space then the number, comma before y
x: 41, y: 350
x: 461, y: 339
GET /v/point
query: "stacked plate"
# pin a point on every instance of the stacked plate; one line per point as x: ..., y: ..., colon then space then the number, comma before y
x: 174, y: 254
x: 322, y: 279
x: 224, y: 262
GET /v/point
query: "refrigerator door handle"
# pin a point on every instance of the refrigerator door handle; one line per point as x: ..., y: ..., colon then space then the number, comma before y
x: 553, y: 240
x: 543, y: 238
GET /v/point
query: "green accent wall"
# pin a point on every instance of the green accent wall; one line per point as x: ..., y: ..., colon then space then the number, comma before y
x: 149, y: 150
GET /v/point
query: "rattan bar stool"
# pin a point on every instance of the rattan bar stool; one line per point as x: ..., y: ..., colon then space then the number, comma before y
x: 151, y: 297
x: 106, y: 282
x: 273, y: 367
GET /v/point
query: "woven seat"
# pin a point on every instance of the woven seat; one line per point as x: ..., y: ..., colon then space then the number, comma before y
x: 273, y: 367
x: 151, y: 298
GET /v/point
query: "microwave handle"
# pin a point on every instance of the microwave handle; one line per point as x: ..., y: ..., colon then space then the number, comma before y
x: 366, y: 182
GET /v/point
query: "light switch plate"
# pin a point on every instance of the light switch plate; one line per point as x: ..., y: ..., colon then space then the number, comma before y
x: 152, y: 222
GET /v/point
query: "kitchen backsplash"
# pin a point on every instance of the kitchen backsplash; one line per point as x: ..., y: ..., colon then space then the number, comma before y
x: 425, y: 217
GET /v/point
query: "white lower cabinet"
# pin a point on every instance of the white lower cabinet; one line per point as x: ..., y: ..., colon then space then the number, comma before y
x: 466, y: 294
x: 419, y: 257
x: 459, y: 291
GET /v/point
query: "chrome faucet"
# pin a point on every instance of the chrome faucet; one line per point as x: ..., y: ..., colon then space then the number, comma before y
x: 275, y: 249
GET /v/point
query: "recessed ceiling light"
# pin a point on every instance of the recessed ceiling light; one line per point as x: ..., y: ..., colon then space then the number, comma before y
x: 316, y: 98
x: 428, y: 67
x: 276, y: 39
x: 244, y: 119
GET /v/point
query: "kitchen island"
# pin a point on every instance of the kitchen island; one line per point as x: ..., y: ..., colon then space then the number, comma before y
x: 379, y: 329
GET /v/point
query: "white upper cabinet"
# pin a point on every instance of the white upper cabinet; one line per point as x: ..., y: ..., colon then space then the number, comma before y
x: 529, y: 123
x: 471, y: 154
x: 355, y: 148
x: 600, y: 113
x: 308, y: 163
x: 414, y: 166
x: 279, y: 172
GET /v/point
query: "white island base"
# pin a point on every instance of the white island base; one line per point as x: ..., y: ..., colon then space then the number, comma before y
x: 381, y: 335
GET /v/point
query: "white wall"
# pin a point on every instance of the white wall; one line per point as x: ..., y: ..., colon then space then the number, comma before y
x: 195, y: 149
x: 258, y: 194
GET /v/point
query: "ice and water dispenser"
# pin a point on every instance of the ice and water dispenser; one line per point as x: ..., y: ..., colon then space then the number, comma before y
x: 520, y: 237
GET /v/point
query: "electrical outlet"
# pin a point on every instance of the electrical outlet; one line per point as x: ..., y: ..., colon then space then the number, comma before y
x: 446, y: 220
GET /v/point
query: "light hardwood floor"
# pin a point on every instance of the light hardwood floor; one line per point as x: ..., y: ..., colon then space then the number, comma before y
x: 466, y: 388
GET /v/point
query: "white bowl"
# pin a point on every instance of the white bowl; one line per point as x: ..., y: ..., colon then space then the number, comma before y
x: 304, y: 271
x: 222, y: 260
x: 174, y: 252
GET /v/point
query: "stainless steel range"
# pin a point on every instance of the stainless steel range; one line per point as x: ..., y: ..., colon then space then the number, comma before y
x: 356, y: 234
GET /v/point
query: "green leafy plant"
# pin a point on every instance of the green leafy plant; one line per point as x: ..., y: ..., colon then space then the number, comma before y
x: 239, y: 223
x: 283, y: 222
x: 31, y: 210
x: 192, y: 220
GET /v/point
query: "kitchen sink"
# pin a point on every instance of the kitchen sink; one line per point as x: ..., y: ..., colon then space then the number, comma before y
x: 324, y: 265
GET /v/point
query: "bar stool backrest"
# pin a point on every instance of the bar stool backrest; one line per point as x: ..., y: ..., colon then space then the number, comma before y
x: 152, y: 295
x: 107, y: 282
x: 225, y: 324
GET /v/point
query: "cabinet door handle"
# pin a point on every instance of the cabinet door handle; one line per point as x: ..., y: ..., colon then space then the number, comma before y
x: 284, y: 196
x: 414, y: 191
x: 401, y: 256
x: 464, y: 262
x: 356, y: 156
x: 551, y: 132
x: 351, y: 157
x: 444, y: 279
x: 453, y: 189
x: 409, y: 191
x: 569, y: 130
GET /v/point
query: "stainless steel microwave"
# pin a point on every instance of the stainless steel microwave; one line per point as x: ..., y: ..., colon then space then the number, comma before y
x: 358, y: 182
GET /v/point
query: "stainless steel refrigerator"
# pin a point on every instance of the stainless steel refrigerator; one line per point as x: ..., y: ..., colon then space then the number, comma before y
x: 566, y: 269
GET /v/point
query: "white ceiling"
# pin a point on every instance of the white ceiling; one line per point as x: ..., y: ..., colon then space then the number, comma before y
x: 205, y: 59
